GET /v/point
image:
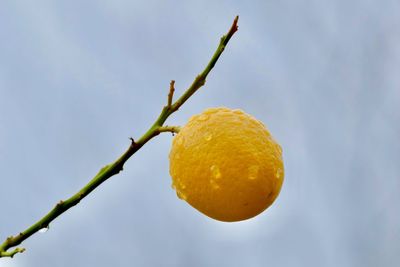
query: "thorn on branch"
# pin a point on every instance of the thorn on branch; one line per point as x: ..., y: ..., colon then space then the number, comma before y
x: 171, y: 92
x: 60, y: 203
x: 133, y: 143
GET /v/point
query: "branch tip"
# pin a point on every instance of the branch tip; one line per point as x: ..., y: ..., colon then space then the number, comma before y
x: 235, y: 27
x: 11, y: 253
x: 171, y: 93
x: 225, y: 39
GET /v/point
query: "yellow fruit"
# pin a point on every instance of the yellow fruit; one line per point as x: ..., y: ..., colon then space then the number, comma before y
x: 226, y: 164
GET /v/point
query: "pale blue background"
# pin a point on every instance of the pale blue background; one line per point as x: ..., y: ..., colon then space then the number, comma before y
x: 77, y: 78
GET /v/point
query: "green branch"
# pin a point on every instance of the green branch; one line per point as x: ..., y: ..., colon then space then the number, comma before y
x: 172, y: 129
x: 117, y: 166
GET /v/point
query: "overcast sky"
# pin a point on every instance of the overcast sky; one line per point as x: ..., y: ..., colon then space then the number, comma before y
x: 78, y: 78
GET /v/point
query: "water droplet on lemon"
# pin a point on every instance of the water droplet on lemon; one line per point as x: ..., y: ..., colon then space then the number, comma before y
x: 179, y: 141
x: 203, y: 117
x: 214, y: 184
x: 278, y: 173
x: 253, y: 172
x: 181, y: 195
x: 216, y: 173
x: 208, y: 137
x: 237, y: 111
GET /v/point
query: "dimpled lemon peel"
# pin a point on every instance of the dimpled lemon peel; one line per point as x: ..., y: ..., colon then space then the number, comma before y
x: 226, y: 164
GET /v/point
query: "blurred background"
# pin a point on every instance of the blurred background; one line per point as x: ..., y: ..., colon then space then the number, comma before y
x: 78, y: 78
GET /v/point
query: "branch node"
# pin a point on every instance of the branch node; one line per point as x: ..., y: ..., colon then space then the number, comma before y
x: 60, y: 203
x: 172, y: 129
x: 12, y: 253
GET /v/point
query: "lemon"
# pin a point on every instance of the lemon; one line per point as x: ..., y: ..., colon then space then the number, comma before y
x: 226, y: 164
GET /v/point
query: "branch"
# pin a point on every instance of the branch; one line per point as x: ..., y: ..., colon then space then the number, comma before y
x: 172, y: 129
x: 117, y: 166
x: 201, y: 78
x: 11, y: 253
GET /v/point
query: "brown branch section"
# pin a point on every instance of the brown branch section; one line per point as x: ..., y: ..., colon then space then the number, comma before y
x: 171, y: 92
x: 117, y: 166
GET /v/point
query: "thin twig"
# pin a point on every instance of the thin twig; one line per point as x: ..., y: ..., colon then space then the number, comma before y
x: 172, y: 129
x: 171, y: 92
x: 11, y: 253
x: 117, y: 166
